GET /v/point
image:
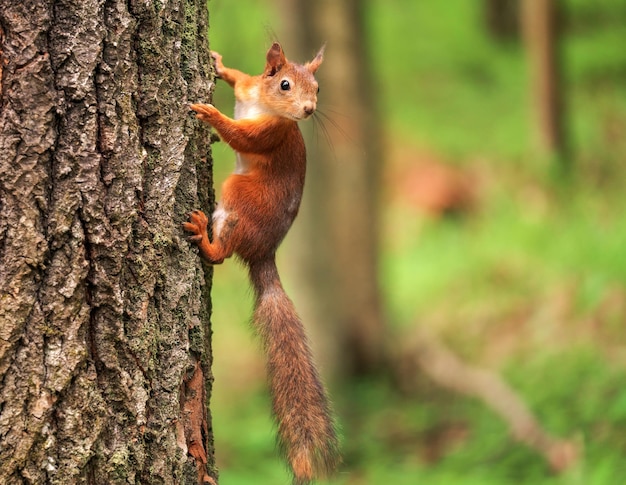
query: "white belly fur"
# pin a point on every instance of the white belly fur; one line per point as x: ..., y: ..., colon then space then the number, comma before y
x: 219, y: 218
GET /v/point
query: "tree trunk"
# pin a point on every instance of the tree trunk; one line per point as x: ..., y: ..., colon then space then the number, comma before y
x: 502, y: 18
x: 104, y: 309
x: 337, y: 232
x: 541, y: 32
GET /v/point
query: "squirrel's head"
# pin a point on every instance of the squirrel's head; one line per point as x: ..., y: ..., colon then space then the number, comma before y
x: 291, y: 87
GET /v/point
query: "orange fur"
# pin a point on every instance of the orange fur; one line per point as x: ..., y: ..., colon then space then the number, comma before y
x: 259, y: 203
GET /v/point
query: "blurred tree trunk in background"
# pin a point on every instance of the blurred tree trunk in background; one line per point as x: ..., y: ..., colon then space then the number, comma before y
x: 540, y: 23
x: 502, y: 18
x: 104, y: 314
x: 335, y: 240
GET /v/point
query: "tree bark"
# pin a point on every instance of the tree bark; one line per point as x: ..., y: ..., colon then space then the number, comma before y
x: 104, y: 310
x: 337, y: 231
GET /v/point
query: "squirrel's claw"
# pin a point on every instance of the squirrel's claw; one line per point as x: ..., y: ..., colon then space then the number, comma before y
x: 219, y: 66
x: 198, y: 217
x: 197, y: 226
x: 204, y: 112
x: 190, y: 227
x: 195, y: 238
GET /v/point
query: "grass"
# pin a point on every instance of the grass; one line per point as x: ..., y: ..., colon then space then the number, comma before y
x: 532, y: 283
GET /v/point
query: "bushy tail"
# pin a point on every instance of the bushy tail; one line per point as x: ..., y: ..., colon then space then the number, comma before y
x: 306, y: 433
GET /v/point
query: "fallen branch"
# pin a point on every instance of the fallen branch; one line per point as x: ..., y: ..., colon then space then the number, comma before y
x: 426, y: 352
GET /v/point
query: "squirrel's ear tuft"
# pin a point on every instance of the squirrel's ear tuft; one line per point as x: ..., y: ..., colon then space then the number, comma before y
x: 317, y: 60
x: 275, y: 59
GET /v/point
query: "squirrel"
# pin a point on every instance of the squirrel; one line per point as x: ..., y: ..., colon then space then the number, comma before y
x: 260, y: 200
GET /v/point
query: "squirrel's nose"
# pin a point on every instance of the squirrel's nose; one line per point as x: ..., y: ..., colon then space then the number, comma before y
x: 309, y: 109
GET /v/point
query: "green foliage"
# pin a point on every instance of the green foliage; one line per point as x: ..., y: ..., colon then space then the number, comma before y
x: 448, y: 85
x: 532, y: 282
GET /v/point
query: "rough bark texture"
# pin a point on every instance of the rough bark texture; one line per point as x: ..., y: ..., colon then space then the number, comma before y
x: 104, y: 309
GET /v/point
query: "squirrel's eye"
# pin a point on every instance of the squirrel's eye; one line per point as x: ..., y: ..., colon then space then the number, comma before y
x: 284, y: 85
x: 318, y: 90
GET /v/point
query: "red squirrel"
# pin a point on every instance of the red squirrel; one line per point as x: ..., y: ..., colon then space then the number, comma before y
x: 259, y: 203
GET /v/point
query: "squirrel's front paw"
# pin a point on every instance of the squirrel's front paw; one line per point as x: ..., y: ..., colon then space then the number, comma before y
x: 197, y: 226
x: 219, y: 65
x: 204, y: 112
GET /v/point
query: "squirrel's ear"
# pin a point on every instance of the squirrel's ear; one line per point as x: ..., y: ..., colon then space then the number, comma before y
x: 317, y: 60
x: 275, y: 59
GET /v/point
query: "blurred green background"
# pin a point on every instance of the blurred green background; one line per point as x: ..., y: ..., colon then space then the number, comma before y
x: 516, y: 264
